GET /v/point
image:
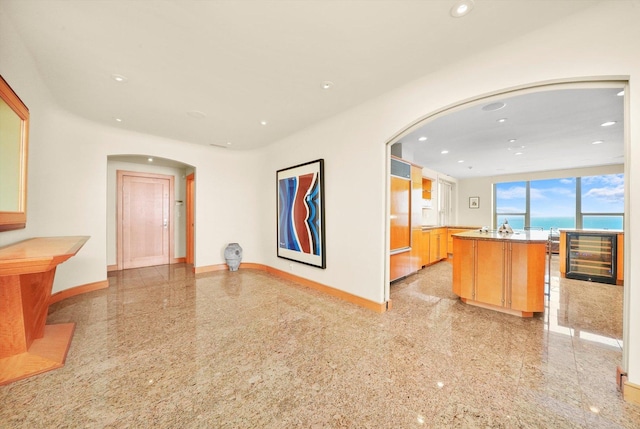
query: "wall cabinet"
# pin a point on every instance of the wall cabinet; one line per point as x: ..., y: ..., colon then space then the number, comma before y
x: 500, y: 275
x: 426, y: 188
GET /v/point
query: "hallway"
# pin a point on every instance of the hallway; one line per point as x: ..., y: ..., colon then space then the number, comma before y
x: 164, y: 348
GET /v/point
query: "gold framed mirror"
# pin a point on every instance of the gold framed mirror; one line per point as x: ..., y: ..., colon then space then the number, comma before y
x: 14, y: 137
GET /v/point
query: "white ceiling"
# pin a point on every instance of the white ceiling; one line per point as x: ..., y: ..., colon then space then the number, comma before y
x: 241, y: 62
x: 552, y: 129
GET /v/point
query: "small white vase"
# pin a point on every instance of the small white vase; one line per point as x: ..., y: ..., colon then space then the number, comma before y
x: 233, y: 256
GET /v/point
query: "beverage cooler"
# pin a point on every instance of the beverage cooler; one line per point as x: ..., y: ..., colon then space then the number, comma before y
x: 591, y: 257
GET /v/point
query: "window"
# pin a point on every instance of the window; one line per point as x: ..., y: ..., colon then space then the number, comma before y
x: 590, y: 202
x: 445, y: 208
x: 602, y: 202
x: 553, y: 203
x: 511, y: 204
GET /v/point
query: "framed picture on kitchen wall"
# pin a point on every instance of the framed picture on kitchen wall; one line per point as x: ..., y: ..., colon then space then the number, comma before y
x: 300, y: 205
x: 474, y: 202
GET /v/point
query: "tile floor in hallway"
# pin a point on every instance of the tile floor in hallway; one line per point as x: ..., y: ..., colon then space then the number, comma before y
x: 163, y: 348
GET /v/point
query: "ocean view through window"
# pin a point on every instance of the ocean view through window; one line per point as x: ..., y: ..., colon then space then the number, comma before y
x: 590, y: 202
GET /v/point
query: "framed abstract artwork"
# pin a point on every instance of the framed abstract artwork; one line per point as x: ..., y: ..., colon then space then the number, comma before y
x: 301, y: 213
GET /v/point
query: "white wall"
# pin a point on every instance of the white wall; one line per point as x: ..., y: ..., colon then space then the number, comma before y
x: 67, y: 178
x: 483, y: 187
x: 235, y: 191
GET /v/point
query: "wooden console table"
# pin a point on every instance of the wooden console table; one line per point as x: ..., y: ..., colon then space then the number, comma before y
x: 27, y: 268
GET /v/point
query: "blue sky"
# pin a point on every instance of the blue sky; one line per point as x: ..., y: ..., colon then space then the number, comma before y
x: 557, y: 197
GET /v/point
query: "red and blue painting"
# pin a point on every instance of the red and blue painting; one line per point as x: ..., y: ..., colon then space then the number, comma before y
x: 301, y: 213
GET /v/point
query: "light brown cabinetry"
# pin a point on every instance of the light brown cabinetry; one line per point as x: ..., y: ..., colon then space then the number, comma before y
x: 503, y: 275
x: 426, y: 247
x: 438, y: 245
x: 405, y: 219
x: 451, y: 232
x: 399, y: 265
x: 416, y: 218
x: 426, y: 188
x: 620, y: 260
x: 400, y: 209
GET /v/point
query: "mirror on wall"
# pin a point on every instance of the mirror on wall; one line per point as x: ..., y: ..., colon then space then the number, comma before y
x: 14, y: 132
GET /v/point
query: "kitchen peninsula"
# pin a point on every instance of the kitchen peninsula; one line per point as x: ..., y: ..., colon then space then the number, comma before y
x: 501, y: 271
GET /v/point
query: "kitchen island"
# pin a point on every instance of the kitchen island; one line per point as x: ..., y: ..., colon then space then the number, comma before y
x: 499, y: 271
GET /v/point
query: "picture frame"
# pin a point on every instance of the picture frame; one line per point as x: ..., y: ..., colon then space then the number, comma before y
x: 300, y: 213
x: 14, y: 129
x: 474, y: 202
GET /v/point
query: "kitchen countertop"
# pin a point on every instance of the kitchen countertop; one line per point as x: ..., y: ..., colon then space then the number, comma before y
x: 429, y: 227
x: 517, y: 236
x: 594, y: 231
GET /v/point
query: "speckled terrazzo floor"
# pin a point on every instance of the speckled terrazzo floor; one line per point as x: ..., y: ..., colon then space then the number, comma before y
x: 162, y: 348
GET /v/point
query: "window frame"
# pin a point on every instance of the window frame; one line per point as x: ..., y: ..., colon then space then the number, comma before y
x: 579, y: 214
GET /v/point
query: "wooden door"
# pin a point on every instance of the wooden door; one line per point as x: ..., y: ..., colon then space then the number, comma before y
x: 190, y: 185
x: 145, y: 219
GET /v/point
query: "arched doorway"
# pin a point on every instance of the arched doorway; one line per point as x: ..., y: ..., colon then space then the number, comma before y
x: 175, y: 220
x: 493, y: 103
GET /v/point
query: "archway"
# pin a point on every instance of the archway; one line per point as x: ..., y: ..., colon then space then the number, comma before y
x: 493, y: 99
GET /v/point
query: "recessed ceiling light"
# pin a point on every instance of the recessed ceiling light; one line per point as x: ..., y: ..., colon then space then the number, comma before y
x: 621, y: 93
x: 196, y: 114
x: 263, y: 122
x: 493, y: 106
x: 444, y: 152
x: 608, y: 123
x: 150, y: 159
x: 117, y: 119
x: 598, y: 142
x: 461, y: 8
x: 460, y: 161
x: 502, y: 120
x: 327, y: 84
x: 518, y: 153
x: 119, y: 78
x: 512, y: 140
x: 421, y: 139
x: 228, y: 143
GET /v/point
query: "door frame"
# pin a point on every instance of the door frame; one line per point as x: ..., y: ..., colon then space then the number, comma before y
x: 119, y: 212
x: 190, y: 214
